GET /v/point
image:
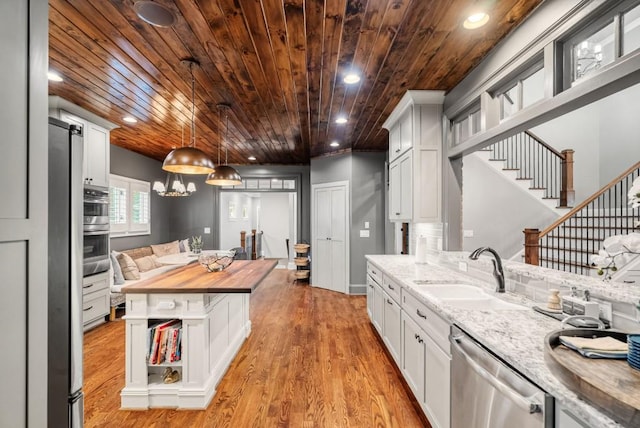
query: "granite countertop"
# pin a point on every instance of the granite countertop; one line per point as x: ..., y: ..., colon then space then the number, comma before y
x: 516, y: 336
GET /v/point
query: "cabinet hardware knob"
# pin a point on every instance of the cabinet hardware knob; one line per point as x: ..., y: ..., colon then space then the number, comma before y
x: 390, y: 287
x: 416, y: 336
x: 88, y: 309
x: 397, y: 213
x: 420, y: 340
x: 397, y: 150
x: 389, y: 302
x: 88, y: 286
x: 420, y: 314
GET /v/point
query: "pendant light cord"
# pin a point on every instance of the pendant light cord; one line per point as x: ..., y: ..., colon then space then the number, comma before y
x: 226, y: 136
x: 193, y: 106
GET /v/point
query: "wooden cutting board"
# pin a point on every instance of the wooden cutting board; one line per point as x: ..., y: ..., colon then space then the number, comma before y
x: 610, y: 385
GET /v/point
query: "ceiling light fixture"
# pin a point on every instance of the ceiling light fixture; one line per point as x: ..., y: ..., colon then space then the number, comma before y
x: 351, y: 78
x: 154, y: 13
x: 54, y: 77
x: 130, y: 119
x: 224, y: 175
x: 334, y: 144
x: 341, y: 120
x: 174, y: 186
x: 189, y: 160
x: 476, y: 20
x: 251, y: 158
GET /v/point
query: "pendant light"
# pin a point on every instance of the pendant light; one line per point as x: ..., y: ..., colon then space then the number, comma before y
x: 224, y: 175
x: 174, y: 184
x: 189, y: 160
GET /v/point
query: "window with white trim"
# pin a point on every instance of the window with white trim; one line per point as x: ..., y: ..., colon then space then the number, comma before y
x: 467, y: 124
x: 129, y: 206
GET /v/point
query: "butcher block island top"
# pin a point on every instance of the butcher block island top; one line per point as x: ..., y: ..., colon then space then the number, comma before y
x: 242, y: 276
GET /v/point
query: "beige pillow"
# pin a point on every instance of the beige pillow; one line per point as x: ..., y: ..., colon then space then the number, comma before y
x: 166, y: 249
x: 147, y: 263
x: 129, y: 267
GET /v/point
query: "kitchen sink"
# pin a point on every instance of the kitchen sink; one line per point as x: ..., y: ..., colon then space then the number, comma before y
x: 465, y: 296
x: 484, y: 303
x: 451, y: 291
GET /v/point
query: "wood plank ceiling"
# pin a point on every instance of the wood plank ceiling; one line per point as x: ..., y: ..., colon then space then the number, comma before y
x: 278, y: 64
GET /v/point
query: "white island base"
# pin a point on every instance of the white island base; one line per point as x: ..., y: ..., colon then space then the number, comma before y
x: 214, y: 326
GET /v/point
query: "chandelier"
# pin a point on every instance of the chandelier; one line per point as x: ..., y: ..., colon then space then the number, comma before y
x: 588, y: 57
x: 174, y: 186
x: 189, y: 160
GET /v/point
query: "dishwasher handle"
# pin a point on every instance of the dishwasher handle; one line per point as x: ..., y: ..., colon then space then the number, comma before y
x: 522, y: 402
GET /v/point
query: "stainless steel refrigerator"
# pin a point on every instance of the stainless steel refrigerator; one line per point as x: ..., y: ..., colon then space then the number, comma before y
x: 65, y: 400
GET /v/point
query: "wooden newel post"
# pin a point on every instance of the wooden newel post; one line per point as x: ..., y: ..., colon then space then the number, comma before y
x: 567, y: 194
x: 243, y: 240
x: 253, y: 244
x: 532, y: 246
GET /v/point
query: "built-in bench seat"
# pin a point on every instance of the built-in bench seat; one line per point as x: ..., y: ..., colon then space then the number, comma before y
x: 143, y: 257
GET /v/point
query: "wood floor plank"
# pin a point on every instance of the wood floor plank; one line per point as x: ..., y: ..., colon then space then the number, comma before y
x: 312, y: 360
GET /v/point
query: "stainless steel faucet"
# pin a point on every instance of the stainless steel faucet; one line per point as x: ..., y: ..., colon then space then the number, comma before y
x: 498, y: 273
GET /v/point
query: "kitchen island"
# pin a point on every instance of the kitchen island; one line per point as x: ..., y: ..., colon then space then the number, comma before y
x: 212, y: 312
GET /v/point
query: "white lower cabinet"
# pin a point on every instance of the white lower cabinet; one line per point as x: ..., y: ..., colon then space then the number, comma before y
x: 391, y: 326
x: 417, y: 339
x: 413, y: 356
x: 437, y: 387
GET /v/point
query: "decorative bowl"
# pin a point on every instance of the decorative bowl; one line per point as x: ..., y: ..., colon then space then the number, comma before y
x: 215, y: 262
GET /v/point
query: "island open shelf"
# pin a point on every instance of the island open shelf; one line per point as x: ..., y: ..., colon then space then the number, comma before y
x: 214, y: 311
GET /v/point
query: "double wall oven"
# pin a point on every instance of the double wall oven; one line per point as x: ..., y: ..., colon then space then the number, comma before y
x: 96, y: 230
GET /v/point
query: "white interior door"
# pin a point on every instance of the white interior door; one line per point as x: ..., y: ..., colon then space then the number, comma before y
x: 330, y: 236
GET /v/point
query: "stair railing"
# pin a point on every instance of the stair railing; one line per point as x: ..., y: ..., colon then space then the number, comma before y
x: 536, y: 160
x: 569, y: 242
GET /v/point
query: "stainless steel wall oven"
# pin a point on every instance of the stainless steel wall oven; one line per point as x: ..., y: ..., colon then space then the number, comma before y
x: 96, y: 230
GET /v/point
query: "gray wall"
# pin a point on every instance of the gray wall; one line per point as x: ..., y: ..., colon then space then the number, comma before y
x: 366, y: 174
x: 171, y: 218
x: 367, y: 204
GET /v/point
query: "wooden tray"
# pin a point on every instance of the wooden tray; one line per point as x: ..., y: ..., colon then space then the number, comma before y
x: 610, y: 385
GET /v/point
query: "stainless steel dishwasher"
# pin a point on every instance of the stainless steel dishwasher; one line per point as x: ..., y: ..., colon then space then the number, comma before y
x: 486, y: 393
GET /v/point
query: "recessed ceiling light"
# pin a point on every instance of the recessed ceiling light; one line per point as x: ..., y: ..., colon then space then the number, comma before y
x: 351, y: 78
x: 341, y: 119
x: 54, y: 77
x: 334, y: 144
x: 476, y: 20
x: 130, y: 119
x: 154, y: 13
x: 251, y: 158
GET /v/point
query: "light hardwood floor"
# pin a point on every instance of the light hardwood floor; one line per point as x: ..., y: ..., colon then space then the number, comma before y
x: 312, y: 360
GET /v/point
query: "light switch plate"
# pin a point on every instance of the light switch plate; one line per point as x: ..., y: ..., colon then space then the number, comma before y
x: 364, y: 233
x: 366, y: 225
x: 207, y: 230
x: 467, y: 233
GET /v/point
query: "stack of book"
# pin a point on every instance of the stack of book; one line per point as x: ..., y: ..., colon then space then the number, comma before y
x: 163, y: 342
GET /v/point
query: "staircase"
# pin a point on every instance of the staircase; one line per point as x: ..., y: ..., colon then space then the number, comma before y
x: 536, y: 167
x: 569, y: 242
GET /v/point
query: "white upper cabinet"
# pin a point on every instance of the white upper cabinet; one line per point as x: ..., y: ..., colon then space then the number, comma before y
x: 95, y: 165
x: 415, y: 156
x: 96, y: 155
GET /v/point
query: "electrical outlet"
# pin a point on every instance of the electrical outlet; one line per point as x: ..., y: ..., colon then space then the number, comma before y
x: 462, y: 266
x: 467, y: 233
x: 207, y: 230
x: 606, y: 311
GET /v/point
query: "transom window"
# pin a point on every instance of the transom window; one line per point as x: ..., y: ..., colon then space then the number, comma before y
x: 527, y: 89
x: 613, y: 35
x: 466, y: 125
